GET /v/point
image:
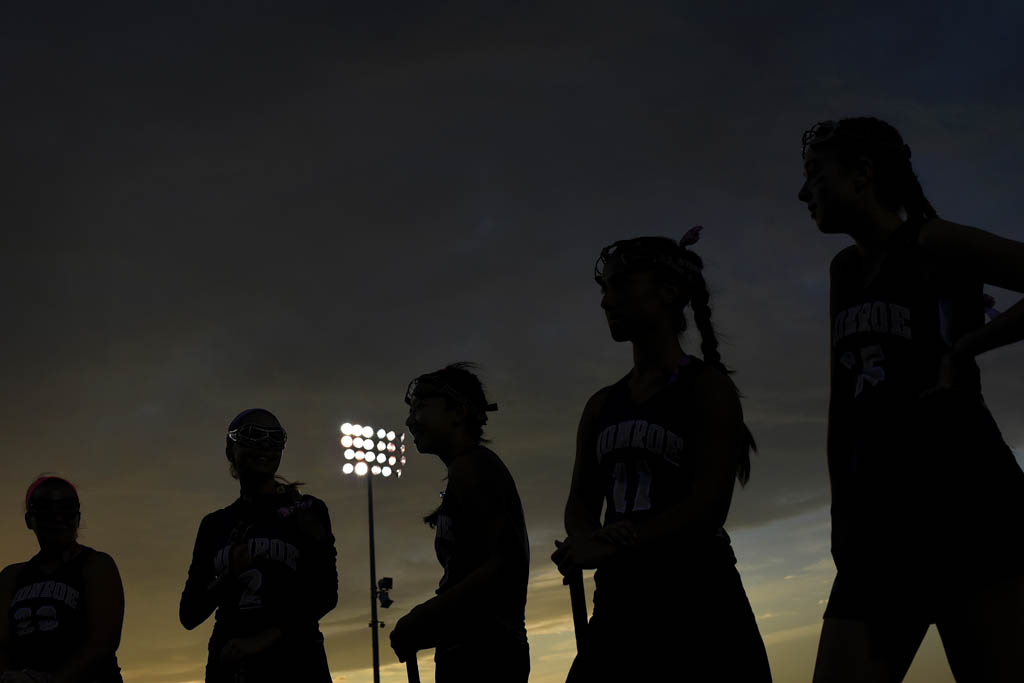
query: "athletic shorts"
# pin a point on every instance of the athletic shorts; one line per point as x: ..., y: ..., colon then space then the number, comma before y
x: 700, y: 632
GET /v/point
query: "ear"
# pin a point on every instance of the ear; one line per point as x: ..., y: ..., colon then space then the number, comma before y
x: 863, y: 174
x: 670, y: 293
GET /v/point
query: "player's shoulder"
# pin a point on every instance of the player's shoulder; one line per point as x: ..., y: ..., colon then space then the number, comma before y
x: 97, y: 561
x: 595, y: 404
x: 9, y: 573
x: 713, y: 390
x: 844, y: 260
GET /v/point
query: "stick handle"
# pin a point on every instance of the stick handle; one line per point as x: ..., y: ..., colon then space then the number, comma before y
x: 413, y: 669
x: 579, y: 606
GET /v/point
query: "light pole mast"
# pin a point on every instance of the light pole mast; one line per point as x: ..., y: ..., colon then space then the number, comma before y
x: 368, y: 457
x: 373, y: 587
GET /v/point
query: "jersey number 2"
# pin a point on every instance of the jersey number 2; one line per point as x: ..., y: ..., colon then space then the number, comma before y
x: 642, y: 499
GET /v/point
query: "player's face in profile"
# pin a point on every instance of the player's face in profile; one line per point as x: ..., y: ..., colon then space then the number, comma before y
x: 54, y: 513
x: 430, y: 421
x: 633, y: 301
x: 255, y: 460
x: 829, y: 190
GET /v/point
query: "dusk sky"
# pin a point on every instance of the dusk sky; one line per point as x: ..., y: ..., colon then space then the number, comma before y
x: 293, y: 205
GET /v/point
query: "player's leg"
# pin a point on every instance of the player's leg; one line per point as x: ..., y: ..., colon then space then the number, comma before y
x: 868, y: 634
x: 983, y: 633
x: 721, y: 640
x: 849, y: 651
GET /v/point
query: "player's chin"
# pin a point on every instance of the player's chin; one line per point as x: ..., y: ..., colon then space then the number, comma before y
x: 620, y: 332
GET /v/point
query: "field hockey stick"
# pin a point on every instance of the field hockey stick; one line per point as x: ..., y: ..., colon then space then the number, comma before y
x: 413, y: 669
x: 579, y: 605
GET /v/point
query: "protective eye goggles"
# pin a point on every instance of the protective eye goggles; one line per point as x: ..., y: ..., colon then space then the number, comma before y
x: 428, y: 387
x: 823, y: 131
x: 633, y: 259
x: 255, y: 436
x: 53, y: 508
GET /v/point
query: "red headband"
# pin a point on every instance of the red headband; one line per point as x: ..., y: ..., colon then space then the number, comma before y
x: 42, y: 480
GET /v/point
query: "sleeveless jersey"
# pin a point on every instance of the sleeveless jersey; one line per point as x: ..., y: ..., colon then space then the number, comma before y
x: 291, y: 584
x: 645, y: 468
x: 894, y: 457
x: 47, y: 619
x: 462, y: 547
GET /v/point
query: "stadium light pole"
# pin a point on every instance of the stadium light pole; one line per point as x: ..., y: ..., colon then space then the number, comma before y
x: 371, y: 454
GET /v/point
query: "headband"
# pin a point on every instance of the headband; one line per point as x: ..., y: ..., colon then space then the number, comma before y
x: 42, y: 480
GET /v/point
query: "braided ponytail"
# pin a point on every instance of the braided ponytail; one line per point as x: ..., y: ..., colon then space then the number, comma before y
x: 700, y: 302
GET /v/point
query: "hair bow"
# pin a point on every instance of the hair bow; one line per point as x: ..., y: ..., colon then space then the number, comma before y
x: 692, y: 236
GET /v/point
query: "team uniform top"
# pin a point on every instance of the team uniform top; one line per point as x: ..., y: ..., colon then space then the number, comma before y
x: 292, y: 583
x: 901, y: 464
x: 645, y: 467
x: 47, y: 619
x: 473, y: 506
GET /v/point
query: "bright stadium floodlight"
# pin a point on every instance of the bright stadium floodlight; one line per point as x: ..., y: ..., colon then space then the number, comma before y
x: 368, y: 463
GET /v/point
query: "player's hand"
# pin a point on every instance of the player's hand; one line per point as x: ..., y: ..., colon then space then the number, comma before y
x: 26, y: 676
x: 238, y: 649
x: 620, y: 533
x: 952, y: 371
x: 405, y: 634
x: 581, y: 552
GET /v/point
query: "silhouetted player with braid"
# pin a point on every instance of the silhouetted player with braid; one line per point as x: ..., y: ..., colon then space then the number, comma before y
x: 61, y: 612
x: 661, y: 449
x: 266, y: 564
x: 476, y: 622
x: 927, y: 499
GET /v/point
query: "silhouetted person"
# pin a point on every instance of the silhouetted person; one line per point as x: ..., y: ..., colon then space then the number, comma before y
x: 477, y: 620
x: 266, y: 563
x: 927, y: 499
x: 660, y: 450
x: 62, y: 610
